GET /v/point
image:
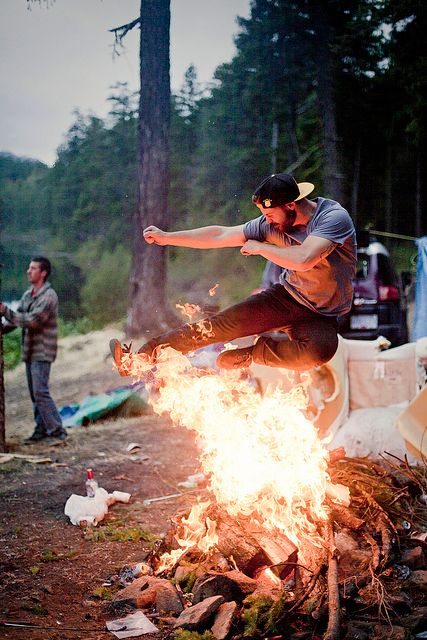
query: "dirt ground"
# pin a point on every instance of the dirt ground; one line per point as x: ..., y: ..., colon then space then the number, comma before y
x: 49, y: 570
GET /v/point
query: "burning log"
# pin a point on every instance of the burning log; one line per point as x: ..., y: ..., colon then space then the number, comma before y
x: 251, y: 547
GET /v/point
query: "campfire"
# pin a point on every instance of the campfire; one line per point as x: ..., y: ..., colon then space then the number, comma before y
x: 276, y: 513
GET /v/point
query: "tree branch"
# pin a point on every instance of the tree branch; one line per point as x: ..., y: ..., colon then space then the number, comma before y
x: 121, y: 32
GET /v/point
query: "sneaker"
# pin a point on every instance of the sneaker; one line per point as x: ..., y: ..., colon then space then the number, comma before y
x: 235, y: 358
x: 35, y: 437
x: 117, y: 353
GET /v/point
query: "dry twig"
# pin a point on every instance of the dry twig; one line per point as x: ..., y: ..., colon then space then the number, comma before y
x: 333, y: 629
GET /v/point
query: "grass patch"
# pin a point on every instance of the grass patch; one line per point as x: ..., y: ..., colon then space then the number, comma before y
x: 105, y: 593
x: 50, y: 555
x: 115, y: 531
x: 193, y: 635
x: 34, y: 570
x: 39, y: 610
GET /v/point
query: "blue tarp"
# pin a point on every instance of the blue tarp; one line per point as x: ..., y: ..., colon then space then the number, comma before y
x: 94, y: 407
x: 419, y: 329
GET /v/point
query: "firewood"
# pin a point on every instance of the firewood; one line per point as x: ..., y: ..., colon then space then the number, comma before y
x: 250, y: 545
x: 333, y: 629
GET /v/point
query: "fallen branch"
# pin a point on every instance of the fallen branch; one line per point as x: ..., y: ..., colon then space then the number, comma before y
x: 310, y: 586
x: 333, y: 629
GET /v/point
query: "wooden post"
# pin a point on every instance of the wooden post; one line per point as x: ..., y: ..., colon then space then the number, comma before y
x: 2, y: 403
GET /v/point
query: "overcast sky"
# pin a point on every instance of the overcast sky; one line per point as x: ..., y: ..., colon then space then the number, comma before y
x: 54, y: 60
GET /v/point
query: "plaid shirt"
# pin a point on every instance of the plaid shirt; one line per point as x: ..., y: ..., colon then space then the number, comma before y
x: 38, y: 318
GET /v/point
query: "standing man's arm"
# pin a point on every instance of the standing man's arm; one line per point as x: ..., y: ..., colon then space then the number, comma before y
x: 211, y: 237
x: 37, y: 317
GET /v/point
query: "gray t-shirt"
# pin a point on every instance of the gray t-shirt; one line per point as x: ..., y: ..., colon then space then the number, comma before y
x: 328, y: 286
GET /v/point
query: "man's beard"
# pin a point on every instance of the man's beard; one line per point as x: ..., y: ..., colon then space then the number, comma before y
x: 287, y: 224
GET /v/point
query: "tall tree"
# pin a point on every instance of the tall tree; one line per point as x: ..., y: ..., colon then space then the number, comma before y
x: 147, y: 309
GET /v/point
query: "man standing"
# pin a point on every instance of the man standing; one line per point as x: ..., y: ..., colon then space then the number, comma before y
x: 37, y: 314
x: 313, y: 241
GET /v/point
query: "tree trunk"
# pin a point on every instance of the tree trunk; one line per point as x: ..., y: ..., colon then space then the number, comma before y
x: 418, y: 197
x: 356, y: 183
x: 147, y: 310
x: 332, y: 175
x: 388, y: 191
x: 2, y: 403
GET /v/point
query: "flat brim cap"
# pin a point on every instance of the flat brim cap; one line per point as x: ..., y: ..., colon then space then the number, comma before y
x: 280, y: 189
x: 305, y: 188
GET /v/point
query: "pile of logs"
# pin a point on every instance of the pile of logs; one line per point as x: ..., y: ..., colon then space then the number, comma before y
x: 366, y: 580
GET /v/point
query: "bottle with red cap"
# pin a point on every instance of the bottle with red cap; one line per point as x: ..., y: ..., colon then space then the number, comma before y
x: 91, y: 484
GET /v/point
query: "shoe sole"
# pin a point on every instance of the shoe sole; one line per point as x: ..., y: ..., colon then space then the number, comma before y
x: 117, y: 354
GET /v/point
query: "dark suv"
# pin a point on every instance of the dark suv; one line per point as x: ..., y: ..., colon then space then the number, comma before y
x: 379, y: 304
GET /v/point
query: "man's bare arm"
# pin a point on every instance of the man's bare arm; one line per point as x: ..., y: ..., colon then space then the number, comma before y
x: 298, y: 258
x: 211, y: 237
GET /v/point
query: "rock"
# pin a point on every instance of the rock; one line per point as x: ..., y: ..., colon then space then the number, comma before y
x: 345, y: 542
x: 382, y: 632
x: 354, y: 632
x: 353, y: 559
x: 416, y: 620
x: 224, y: 619
x: 233, y: 585
x: 148, y: 591
x: 414, y: 558
x: 418, y: 577
x: 168, y: 600
x: 197, y: 616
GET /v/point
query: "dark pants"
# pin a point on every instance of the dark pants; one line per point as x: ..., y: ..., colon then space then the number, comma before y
x: 48, y: 420
x: 311, y: 337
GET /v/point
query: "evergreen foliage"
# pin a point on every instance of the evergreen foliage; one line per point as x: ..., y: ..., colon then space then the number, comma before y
x: 80, y: 211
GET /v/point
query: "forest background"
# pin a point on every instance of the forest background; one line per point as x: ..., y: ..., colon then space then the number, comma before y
x: 266, y: 110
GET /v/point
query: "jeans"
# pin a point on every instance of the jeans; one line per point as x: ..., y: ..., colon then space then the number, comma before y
x: 48, y: 420
x: 311, y: 338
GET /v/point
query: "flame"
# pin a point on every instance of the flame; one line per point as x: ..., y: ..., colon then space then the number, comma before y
x: 199, y: 531
x: 188, y: 309
x: 262, y: 455
x: 212, y: 290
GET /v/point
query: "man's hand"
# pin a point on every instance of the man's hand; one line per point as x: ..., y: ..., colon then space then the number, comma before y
x: 154, y: 235
x: 251, y: 248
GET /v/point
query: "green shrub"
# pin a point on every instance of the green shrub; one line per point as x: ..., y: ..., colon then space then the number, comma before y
x: 75, y: 327
x: 105, y: 291
x: 12, y: 349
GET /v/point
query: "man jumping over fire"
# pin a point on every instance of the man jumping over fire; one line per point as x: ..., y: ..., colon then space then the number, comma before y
x: 314, y: 241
